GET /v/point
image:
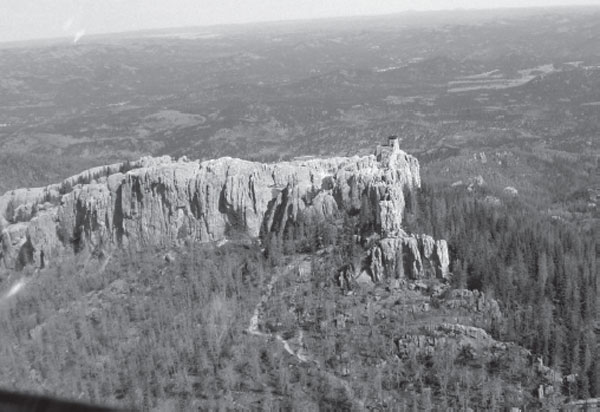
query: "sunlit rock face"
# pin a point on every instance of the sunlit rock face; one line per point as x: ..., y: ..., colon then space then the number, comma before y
x: 159, y: 201
x: 409, y: 256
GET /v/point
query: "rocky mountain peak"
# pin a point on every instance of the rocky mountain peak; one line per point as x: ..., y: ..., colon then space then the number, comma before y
x: 161, y: 201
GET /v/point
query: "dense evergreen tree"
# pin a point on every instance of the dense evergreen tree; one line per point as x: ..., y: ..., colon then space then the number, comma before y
x: 543, y: 272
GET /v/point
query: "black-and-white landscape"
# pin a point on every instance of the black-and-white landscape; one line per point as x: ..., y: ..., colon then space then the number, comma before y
x: 396, y: 212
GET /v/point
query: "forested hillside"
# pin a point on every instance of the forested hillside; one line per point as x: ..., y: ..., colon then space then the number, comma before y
x: 542, y: 270
x: 173, y: 330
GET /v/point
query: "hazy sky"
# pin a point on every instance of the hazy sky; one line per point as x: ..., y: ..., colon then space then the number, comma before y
x: 28, y: 19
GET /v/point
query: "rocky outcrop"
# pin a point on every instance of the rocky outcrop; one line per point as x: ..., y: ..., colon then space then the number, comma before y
x: 160, y: 201
x: 473, y: 301
x: 410, y: 256
x: 456, y: 336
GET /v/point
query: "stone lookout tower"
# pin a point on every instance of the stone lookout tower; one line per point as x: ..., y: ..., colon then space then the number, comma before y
x: 386, y: 150
x: 393, y: 143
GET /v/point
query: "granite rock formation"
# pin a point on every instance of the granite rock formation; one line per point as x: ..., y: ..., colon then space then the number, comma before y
x: 159, y: 201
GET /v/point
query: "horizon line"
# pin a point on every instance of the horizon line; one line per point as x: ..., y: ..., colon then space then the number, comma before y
x: 231, y: 25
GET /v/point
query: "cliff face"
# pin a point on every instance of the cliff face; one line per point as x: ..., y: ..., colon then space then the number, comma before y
x: 160, y: 201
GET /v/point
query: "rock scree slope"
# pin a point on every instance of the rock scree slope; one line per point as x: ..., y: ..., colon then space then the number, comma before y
x: 160, y: 201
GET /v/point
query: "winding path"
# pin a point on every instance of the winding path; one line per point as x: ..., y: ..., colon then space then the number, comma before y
x: 253, y: 329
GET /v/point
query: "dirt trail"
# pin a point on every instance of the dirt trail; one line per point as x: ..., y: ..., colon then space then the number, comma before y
x: 253, y: 328
x: 301, y: 355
